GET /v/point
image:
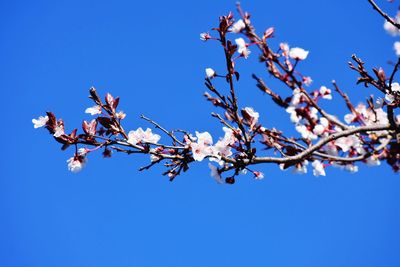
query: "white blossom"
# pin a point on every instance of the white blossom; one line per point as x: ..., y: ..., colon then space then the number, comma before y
x: 204, y: 36
x: 307, y: 80
x: 319, y: 169
x: 391, y: 96
x: 318, y: 129
x: 210, y: 73
x: 215, y: 174
x: 201, y: 150
x: 285, y: 49
x: 251, y: 116
x: 258, y: 175
x: 76, y: 163
x: 305, y: 132
x: 347, y: 142
x: 301, y: 168
x: 153, y: 154
x: 204, y: 138
x: 324, y: 122
x: 351, y: 168
x: 313, y: 113
x: 203, y: 147
x: 120, y: 115
x: 82, y: 151
x: 378, y: 103
x: 242, y: 47
x: 325, y: 92
x: 390, y: 28
x: 296, y: 98
x: 59, y: 130
x: 93, y: 110
x: 293, y: 114
x: 396, y: 47
x: 238, y: 26
x: 349, y: 118
x: 135, y: 137
x: 373, y: 161
x: 40, y: 122
x: 298, y: 53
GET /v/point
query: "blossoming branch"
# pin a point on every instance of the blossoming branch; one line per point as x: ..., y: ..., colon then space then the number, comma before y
x: 368, y: 134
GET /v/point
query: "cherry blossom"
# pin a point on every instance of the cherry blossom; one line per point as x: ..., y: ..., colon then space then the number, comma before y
x: 305, y: 132
x: 203, y: 147
x: 258, y: 175
x: 242, y: 47
x: 298, y: 53
x: 238, y: 26
x: 210, y: 73
x: 285, y: 49
x: 391, y: 95
x: 293, y: 114
x: 307, y: 80
x: 390, y: 28
x: 204, y: 36
x: 120, y: 115
x: 135, y: 137
x: 348, y: 142
x: 351, y: 168
x: 322, y: 127
x: 76, y: 163
x: 59, y: 130
x: 298, y: 168
x: 396, y: 47
x: 325, y: 92
x: 215, y: 174
x: 373, y: 161
x: 40, y: 122
x: 367, y: 134
x: 93, y: 110
x: 319, y: 169
x: 250, y: 116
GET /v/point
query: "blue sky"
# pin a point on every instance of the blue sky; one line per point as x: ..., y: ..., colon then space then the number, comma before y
x: 149, y: 53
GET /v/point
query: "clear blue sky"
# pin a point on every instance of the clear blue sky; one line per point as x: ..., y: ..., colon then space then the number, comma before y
x: 149, y: 53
